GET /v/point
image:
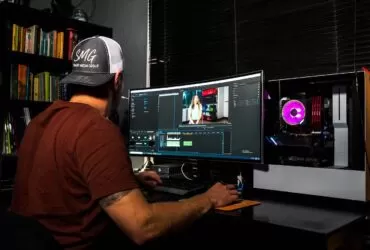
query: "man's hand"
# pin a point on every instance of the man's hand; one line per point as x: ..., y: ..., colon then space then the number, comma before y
x: 149, y: 178
x: 222, y: 195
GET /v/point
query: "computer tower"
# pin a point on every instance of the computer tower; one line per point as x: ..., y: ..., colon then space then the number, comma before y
x: 315, y: 121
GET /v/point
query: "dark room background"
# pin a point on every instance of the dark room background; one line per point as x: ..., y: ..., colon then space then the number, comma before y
x: 198, y: 40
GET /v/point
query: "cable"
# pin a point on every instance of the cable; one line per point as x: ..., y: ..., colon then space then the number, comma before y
x: 144, y: 167
x: 140, y: 169
x: 183, y: 173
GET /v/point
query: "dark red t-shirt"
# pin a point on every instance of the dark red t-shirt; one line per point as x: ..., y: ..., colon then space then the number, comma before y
x: 69, y: 158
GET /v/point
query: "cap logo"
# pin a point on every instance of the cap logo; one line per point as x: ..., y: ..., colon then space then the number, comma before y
x: 85, y: 58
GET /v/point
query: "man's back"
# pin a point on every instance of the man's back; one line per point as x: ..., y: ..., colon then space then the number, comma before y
x: 61, y: 174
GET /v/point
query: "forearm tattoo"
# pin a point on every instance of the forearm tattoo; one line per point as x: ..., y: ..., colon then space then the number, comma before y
x: 111, y: 199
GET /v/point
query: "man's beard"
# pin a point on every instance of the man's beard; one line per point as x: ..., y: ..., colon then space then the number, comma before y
x: 113, y: 109
x: 114, y: 117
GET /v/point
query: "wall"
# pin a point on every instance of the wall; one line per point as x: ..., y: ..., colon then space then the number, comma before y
x: 45, y: 4
x: 128, y: 18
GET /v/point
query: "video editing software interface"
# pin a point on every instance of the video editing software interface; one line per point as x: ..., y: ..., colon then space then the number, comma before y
x: 216, y: 119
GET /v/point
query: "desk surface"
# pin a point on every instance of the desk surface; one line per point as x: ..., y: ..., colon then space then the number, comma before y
x: 316, y: 220
x: 309, y: 219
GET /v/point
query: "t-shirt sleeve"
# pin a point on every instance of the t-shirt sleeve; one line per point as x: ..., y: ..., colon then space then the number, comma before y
x: 103, y: 160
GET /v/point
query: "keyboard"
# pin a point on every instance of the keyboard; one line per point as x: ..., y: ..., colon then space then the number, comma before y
x: 179, y: 187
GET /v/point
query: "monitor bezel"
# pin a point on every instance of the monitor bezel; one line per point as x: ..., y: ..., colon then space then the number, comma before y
x: 205, y: 158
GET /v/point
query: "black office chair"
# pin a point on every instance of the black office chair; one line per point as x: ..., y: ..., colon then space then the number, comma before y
x: 23, y: 233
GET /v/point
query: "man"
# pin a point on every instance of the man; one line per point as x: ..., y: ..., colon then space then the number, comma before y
x: 74, y: 170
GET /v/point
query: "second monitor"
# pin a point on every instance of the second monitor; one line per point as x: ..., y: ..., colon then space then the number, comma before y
x: 217, y: 119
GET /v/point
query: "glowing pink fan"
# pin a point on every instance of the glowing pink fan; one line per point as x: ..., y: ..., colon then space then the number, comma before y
x: 293, y: 112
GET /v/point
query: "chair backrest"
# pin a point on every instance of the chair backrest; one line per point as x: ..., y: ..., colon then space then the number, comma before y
x: 23, y: 233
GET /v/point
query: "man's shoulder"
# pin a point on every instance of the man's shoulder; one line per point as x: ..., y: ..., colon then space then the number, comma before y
x: 75, y: 118
x: 95, y: 123
x: 102, y: 123
x: 84, y: 113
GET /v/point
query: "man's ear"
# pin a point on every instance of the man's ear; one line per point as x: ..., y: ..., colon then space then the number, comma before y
x: 117, y: 80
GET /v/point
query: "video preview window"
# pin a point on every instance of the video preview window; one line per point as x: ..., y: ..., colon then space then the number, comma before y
x: 206, y: 106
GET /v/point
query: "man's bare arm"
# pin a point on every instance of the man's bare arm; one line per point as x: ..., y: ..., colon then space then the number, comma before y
x: 142, y: 221
x: 109, y: 200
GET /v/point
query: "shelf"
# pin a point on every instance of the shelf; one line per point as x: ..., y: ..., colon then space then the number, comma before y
x: 27, y: 102
x: 6, y: 189
x: 40, y: 62
x: 8, y: 156
x: 17, y: 106
x: 24, y: 16
x: 28, y: 16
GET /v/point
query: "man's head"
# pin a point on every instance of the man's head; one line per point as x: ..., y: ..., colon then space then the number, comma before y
x: 96, y: 77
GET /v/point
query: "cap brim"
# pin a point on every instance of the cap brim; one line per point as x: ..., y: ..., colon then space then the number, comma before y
x: 87, y: 79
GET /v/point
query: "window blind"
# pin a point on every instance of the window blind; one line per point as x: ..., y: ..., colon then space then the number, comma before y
x: 199, y: 40
x: 286, y: 38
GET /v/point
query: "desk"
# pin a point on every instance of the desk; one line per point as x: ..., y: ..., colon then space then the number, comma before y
x: 272, y: 225
x: 332, y: 228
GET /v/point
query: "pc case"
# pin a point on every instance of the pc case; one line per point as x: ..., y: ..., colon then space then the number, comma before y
x: 315, y: 121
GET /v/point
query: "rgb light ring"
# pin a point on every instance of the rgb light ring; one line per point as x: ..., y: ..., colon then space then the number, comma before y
x: 293, y: 112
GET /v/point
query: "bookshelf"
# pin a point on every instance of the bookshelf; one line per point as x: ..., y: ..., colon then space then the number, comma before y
x: 35, y: 49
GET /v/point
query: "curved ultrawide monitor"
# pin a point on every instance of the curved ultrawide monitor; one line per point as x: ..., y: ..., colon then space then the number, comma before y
x: 220, y: 119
